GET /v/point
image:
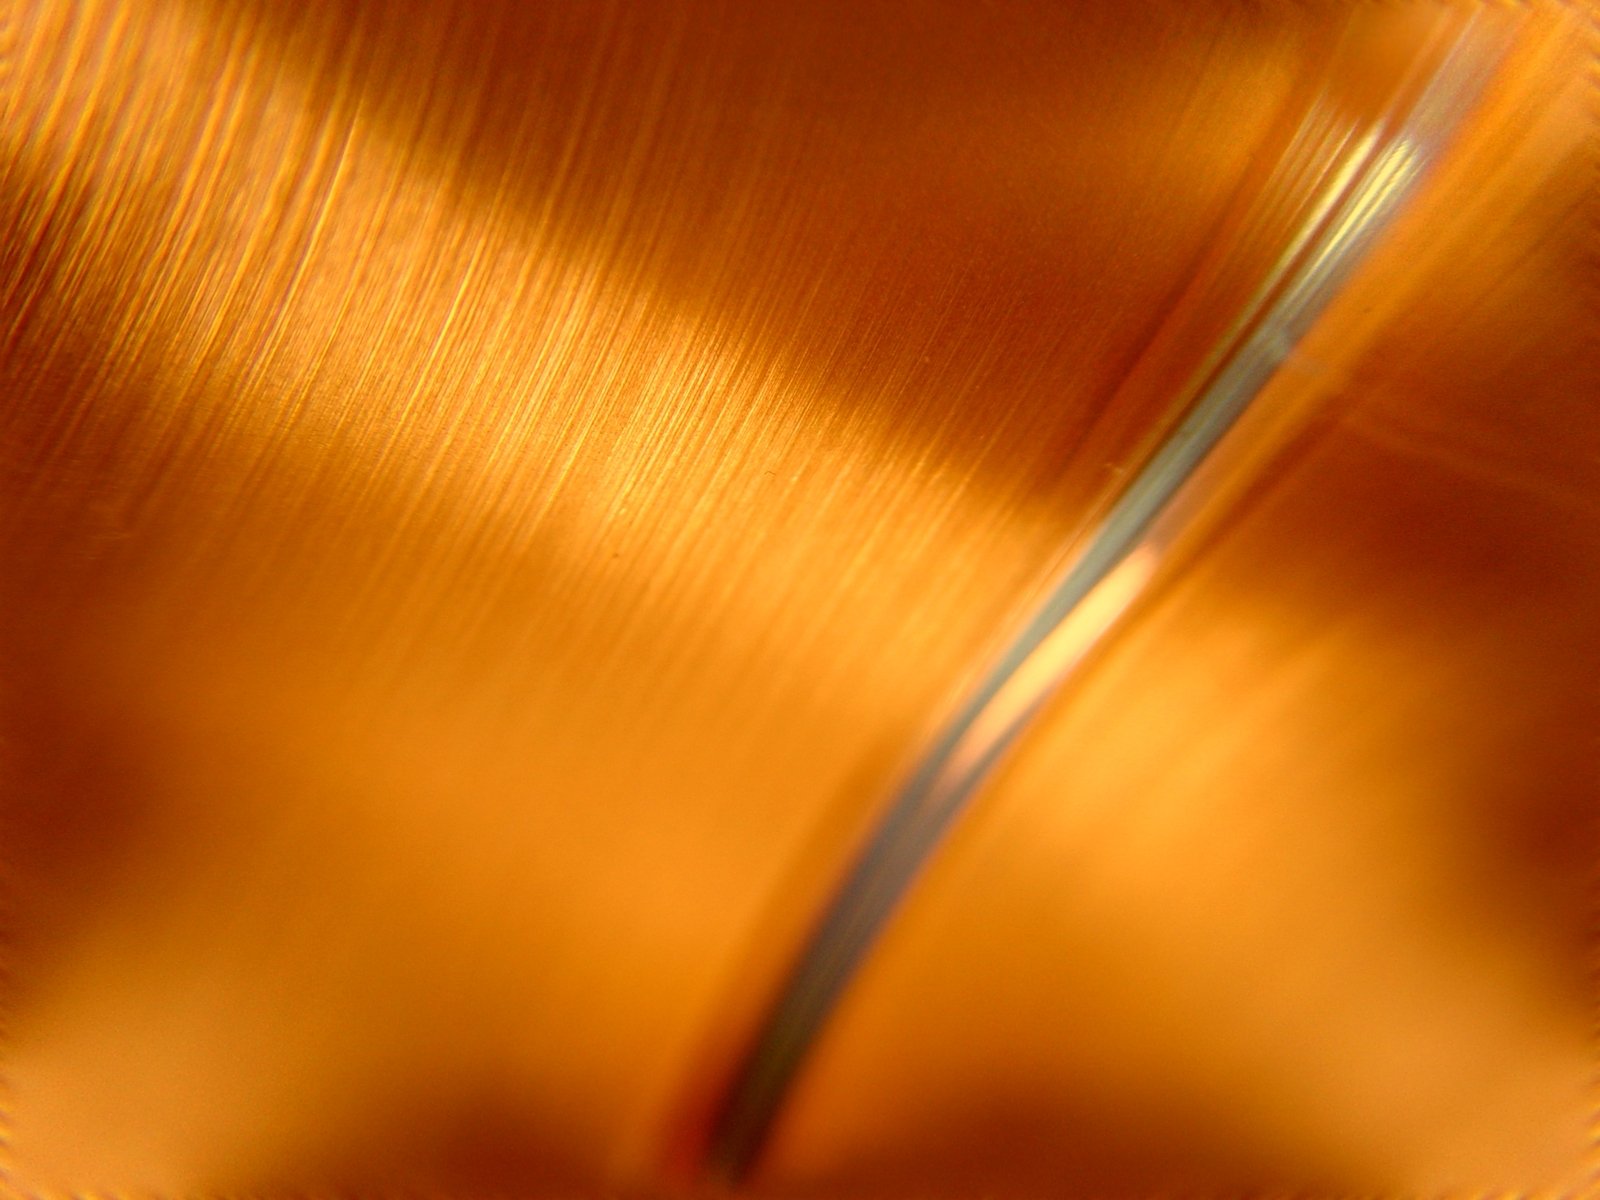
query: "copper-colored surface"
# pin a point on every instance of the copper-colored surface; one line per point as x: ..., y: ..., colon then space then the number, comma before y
x: 493, y: 495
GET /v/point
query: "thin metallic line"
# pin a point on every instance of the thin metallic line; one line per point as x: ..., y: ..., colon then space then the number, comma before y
x: 1365, y: 190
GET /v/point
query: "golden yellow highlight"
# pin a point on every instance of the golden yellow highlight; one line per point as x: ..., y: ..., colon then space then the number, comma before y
x: 1057, y: 655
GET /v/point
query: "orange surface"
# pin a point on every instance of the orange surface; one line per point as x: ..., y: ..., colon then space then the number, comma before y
x: 494, y: 494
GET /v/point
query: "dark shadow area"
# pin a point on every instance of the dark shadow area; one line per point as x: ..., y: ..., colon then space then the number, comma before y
x: 1015, y: 1144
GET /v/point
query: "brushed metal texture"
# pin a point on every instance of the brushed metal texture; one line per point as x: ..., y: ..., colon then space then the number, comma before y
x: 493, y: 495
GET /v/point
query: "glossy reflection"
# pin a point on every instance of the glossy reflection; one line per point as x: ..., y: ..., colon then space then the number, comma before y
x: 492, y: 494
x: 1294, y: 883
